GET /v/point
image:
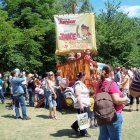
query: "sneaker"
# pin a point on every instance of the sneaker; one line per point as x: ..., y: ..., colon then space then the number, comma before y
x: 86, y: 135
x: 94, y: 126
x: 55, y: 118
x: 137, y: 109
x: 18, y: 117
x: 26, y: 118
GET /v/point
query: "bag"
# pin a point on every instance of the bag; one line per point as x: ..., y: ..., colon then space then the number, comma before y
x: 69, y: 95
x: 41, y: 91
x: 135, y: 87
x: 104, y: 108
x: 54, y: 96
x: 37, y: 89
x: 83, y: 121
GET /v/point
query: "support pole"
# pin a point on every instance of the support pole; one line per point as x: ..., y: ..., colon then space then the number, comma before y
x: 74, y: 8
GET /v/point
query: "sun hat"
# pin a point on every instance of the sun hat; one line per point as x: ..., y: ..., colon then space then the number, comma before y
x: 71, y: 56
x: 30, y: 75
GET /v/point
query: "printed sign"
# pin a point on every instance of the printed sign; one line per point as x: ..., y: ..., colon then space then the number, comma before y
x: 75, y: 33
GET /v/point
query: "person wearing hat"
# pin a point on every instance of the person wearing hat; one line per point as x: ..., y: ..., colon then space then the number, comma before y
x: 71, y: 57
x: 1, y: 90
x: 18, y: 92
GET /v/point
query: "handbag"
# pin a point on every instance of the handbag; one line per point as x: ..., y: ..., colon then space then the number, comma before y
x: 83, y: 121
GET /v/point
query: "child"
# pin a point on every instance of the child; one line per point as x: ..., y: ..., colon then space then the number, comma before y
x: 93, y: 123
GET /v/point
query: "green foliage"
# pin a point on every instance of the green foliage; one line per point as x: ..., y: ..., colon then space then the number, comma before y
x: 34, y: 21
x: 9, y: 37
x: 27, y: 34
x: 85, y: 6
x: 116, y: 37
x: 82, y: 6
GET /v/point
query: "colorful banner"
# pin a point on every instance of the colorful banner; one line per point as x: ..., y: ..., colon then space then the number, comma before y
x: 75, y: 33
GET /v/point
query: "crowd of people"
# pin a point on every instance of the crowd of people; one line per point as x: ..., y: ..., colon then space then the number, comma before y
x: 123, y: 77
x: 49, y: 87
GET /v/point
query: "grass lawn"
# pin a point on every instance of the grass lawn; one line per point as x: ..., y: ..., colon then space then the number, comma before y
x: 42, y: 128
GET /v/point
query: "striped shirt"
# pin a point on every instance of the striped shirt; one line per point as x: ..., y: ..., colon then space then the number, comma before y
x: 135, y: 85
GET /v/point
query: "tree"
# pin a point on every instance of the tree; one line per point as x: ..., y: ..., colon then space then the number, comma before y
x: 82, y: 6
x: 9, y: 38
x: 116, y: 36
x: 134, y: 55
x: 85, y: 7
x: 34, y: 20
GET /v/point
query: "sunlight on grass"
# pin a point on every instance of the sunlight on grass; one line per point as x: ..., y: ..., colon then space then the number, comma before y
x: 42, y: 128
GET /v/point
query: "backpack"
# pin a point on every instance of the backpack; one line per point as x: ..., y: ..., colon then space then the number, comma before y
x: 69, y: 95
x: 104, y: 108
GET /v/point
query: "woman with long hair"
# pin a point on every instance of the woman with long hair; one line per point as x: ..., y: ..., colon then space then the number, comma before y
x: 112, y: 131
x: 51, y: 95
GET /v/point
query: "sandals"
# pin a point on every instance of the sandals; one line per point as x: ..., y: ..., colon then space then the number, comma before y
x: 55, y: 118
x: 50, y: 117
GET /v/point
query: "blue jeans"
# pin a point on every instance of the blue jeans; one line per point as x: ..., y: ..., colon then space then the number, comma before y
x: 31, y: 97
x: 20, y: 99
x: 2, y: 96
x: 46, y: 95
x: 112, y: 131
x: 59, y: 99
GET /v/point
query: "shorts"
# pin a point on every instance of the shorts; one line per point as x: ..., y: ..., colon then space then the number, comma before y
x: 91, y: 115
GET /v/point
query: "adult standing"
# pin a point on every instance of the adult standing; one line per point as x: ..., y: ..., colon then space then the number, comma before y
x: 135, y: 89
x: 83, y: 103
x: 1, y: 90
x: 46, y: 90
x: 51, y: 95
x: 58, y: 90
x: 125, y: 83
x: 112, y: 131
x: 31, y: 89
x: 24, y: 85
x: 18, y: 92
x: 118, y: 77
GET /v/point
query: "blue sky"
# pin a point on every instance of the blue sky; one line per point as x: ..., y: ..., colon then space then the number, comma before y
x: 132, y: 7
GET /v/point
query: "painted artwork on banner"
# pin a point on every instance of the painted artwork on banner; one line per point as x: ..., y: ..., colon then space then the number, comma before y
x: 75, y: 33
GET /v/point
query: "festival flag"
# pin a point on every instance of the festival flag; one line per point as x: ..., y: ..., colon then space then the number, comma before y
x: 75, y: 33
